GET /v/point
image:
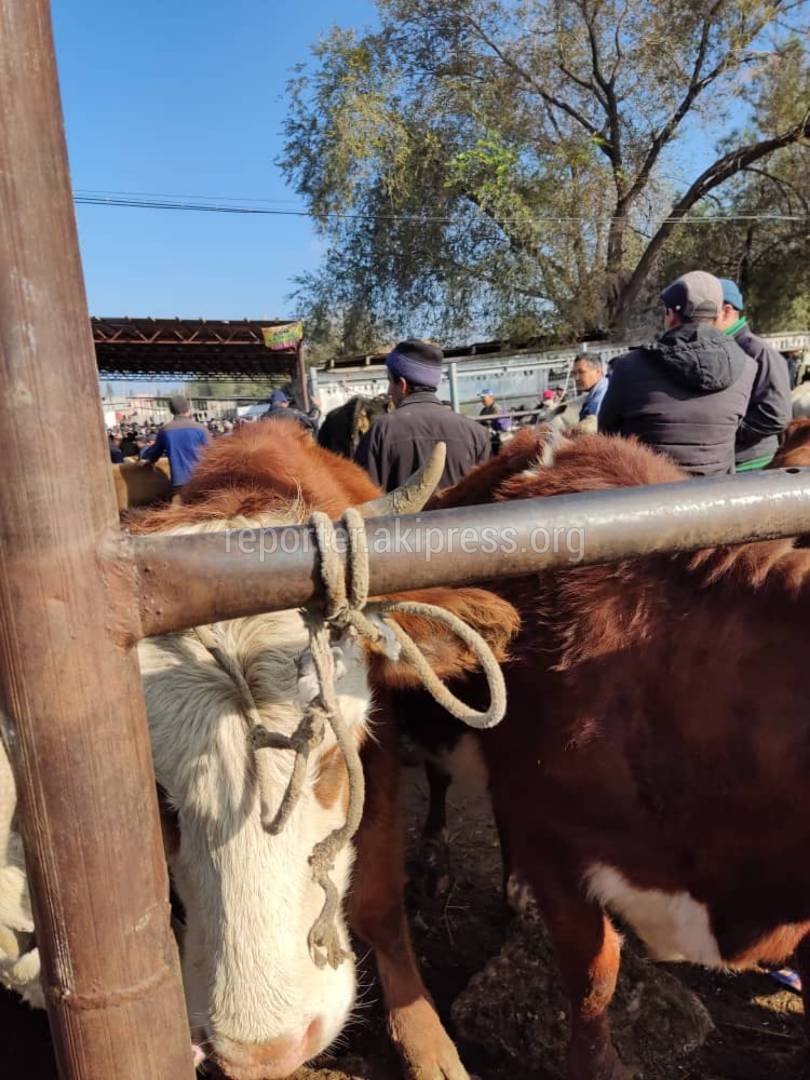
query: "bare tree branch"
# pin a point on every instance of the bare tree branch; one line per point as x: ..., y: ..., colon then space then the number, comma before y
x: 782, y: 184
x: 788, y: 238
x: 611, y: 105
x: 590, y: 86
x: 589, y: 21
x: 710, y: 178
x: 617, y: 42
x: 696, y: 85
x: 528, y: 78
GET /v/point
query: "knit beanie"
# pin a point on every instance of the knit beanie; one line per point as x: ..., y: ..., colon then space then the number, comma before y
x: 417, y: 362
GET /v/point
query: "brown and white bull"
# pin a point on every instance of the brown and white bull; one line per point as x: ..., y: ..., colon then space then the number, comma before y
x: 655, y: 756
x: 257, y: 1002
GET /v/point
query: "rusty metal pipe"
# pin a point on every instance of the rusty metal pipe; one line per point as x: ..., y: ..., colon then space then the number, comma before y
x: 71, y: 701
x: 190, y: 580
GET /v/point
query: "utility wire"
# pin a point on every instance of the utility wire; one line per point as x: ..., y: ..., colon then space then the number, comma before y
x: 186, y: 203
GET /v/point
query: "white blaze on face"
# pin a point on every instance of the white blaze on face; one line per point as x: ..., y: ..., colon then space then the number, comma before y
x: 250, y: 899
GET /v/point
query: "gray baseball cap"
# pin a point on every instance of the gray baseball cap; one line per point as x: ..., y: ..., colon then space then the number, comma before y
x: 694, y: 295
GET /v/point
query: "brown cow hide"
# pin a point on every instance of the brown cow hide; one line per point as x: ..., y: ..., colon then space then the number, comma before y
x: 141, y: 485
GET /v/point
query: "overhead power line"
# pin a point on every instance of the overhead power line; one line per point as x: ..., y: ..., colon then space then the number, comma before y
x: 226, y: 205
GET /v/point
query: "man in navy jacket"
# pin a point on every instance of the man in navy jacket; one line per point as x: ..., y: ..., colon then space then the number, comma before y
x: 688, y: 392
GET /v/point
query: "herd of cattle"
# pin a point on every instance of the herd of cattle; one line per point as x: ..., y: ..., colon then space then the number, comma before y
x: 641, y: 771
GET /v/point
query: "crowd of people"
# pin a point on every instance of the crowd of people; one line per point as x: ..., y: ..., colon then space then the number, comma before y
x: 183, y: 438
x: 707, y: 391
x: 130, y: 439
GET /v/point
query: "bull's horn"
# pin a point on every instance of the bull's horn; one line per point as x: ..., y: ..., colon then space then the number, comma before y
x: 411, y: 497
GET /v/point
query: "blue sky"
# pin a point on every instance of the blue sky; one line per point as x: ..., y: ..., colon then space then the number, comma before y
x: 187, y: 98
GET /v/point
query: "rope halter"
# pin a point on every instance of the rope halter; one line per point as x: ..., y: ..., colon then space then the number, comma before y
x: 346, y: 611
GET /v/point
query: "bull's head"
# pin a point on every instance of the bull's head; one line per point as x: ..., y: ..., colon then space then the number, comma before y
x: 256, y: 1000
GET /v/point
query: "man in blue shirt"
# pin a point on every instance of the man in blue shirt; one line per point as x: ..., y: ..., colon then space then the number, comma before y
x: 182, y: 440
x: 591, y: 380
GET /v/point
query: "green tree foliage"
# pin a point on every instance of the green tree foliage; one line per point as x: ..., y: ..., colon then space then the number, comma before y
x: 508, y: 163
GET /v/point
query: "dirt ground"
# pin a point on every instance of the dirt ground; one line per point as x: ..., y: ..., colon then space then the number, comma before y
x: 758, y: 1026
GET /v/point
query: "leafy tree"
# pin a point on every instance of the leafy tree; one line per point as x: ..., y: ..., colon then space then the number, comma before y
x: 497, y: 163
x: 768, y: 252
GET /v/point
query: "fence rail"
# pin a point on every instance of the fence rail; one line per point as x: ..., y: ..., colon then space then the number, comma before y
x: 275, y: 569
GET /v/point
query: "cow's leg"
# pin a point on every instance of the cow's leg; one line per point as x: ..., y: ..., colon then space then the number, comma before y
x: 377, y: 915
x: 435, y: 852
x: 438, y: 786
x: 588, y: 953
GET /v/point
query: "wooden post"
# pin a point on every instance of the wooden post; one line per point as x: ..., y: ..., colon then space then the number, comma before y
x: 301, y: 370
x: 74, y: 718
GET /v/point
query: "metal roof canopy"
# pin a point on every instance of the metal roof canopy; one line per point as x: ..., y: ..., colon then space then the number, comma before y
x: 168, y: 349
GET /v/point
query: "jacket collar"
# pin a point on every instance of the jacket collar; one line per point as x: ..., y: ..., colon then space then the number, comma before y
x: 421, y: 397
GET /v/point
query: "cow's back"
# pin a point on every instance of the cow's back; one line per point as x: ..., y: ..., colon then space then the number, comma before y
x: 141, y: 485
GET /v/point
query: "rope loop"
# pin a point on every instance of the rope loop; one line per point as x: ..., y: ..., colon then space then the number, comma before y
x: 355, y: 611
x: 346, y: 610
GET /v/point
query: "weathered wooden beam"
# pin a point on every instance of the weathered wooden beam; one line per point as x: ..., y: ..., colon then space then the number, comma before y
x: 188, y: 580
x: 301, y: 374
x: 72, y: 704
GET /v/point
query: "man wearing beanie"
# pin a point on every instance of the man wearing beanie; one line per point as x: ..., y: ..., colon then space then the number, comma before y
x: 182, y: 440
x: 687, y: 393
x: 771, y: 409
x: 400, y: 442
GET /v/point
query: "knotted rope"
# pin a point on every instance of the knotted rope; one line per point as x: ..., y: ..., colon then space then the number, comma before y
x: 346, y: 612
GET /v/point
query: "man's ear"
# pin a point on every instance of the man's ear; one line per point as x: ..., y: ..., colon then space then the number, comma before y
x: 494, y: 619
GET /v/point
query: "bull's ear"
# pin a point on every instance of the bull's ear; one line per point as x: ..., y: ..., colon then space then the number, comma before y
x: 494, y: 619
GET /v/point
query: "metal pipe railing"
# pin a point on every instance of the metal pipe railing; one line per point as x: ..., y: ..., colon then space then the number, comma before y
x: 183, y: 581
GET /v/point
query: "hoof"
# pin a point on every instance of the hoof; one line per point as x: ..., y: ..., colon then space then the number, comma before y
x: 426, y: 1049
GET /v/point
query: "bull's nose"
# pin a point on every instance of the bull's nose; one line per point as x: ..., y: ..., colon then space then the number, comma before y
x: 271, y: 1060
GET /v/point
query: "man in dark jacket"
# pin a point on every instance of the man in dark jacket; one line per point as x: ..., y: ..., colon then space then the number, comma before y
x: 688, y: 392
x: 182, y: 440
x: 499, y: 422
x: 280, y: 408
x: 400, y: 442
x: 116, y: 454
x: 770, y: 410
